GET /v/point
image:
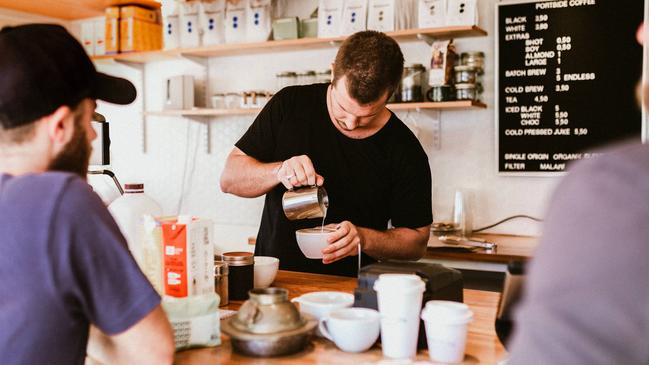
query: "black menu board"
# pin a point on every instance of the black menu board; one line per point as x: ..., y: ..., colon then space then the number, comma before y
x: 567, y: 73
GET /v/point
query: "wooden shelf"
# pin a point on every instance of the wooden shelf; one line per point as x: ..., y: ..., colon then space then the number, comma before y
x: 70, y: 9
x: 205, y: 112
x: 302, y: 44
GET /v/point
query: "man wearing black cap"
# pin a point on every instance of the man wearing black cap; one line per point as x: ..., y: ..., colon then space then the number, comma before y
x: 69, y: 285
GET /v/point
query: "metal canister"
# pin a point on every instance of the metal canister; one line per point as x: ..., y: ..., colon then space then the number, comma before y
x: 303, y: 203
x: 241, y: 276
x: 221, y: 280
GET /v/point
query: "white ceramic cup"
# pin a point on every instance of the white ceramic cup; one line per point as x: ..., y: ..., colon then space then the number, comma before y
x: 399, y: 295
x: 312, y: 241
x: 351, y: 329
x: 446, y: 330
x: 399, y: 337
x: 265, y: 271
x: 320, y: 303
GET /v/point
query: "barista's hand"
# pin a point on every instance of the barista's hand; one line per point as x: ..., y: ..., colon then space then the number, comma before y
x: 298, y: 171
x: 343, y: 242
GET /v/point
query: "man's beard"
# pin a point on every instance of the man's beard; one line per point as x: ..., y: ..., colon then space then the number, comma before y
x: 75, y: 156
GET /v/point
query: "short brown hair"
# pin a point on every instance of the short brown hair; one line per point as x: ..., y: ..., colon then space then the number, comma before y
x: 373, y: 64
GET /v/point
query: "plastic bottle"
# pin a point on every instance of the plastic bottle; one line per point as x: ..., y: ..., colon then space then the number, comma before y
x: 129, y: 211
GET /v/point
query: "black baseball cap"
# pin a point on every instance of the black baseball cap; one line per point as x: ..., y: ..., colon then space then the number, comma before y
x: 43, y: 67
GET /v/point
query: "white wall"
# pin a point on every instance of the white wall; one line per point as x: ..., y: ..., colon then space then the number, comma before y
x: 179, y: 174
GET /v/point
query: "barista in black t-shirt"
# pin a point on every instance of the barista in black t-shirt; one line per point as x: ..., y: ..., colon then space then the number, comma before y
x: 343, y: 136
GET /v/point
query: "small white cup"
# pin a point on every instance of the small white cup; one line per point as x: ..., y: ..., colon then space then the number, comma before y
x: 399, y: 337
x: 320, y: 303
x: 265, y: 271
x: 351, y: 329
x: 312, y: 241
x: 446, y: 330
x: 399, y: 295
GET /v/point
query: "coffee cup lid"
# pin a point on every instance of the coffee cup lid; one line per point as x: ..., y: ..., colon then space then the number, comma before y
x: 447, y: 312
x: 400, y: 283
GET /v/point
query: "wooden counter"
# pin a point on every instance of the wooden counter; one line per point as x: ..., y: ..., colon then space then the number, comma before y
x: 509, y: 248
x: 482, y: 345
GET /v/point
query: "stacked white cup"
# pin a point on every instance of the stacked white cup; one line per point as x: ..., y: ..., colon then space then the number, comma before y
x: 446, y: 330
x: 399, y: 299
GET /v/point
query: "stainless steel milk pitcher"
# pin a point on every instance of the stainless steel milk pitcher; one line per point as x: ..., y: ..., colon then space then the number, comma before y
x: 306, y: 202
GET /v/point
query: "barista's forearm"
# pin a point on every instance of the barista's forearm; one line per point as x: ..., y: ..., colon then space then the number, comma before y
x: 246, y: 177
x: 397, y: 243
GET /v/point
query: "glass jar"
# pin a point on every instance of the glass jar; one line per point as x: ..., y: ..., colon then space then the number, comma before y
x: 221, y: 280
x: 474, y: 59
x: 323, y: 77
x: 412, y: 83
x: 440, y: 93
x: 466, y: 74
x: 241, y: 278
x: 466, y: 92
x: 285, y: 79
x: 306, y: 78
x: 232, y: 100
x: 218, y: 101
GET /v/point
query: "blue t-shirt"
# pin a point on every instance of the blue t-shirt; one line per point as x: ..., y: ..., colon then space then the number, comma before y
x: 64, y: 265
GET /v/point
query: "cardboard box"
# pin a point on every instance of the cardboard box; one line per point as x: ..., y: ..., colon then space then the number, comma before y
x: 285, y: 28
x: 330, y: 14
x: 112, y: 30
x: 212, y: 20
x: 354, y: 17
x: 258, y: 20
x: 88, y: 37
x: 139, y: 29
x: 190, y: 33
x: 381, y: 15
x: 432, y: 13
x: 235, y: 21
x: 140, y: 13
x: 100, y: 37
x: 462, y: 12
x: 188, y: 257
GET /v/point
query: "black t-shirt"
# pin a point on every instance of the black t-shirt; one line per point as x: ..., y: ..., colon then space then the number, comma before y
x: 369, y: 181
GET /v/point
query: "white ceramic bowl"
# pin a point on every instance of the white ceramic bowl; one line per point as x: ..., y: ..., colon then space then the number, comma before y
x: 265, y: 270
x: 321, y: 303
x: 312, y: 241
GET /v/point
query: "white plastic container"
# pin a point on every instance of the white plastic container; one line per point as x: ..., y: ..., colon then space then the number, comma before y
x: 129, y: 211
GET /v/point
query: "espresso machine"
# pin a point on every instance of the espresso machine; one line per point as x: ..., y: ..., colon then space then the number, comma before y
x: 100, y: 161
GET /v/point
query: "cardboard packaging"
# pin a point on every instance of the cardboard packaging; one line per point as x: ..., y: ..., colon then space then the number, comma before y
x: 140, y: 29
x: 188, y: 257
x: 171, y: 31
x: 212, y: 20
x: 285, y: 28
x: 100, y: 37
x: 258, y: 20
x: 112, y: 30
x: 235, y: 21
x: 354, y: 17
x: 88, y: 37
x: 308, y: 28
x: 330, y: 14
x: 190, y: 35
x: 462, y: 12
x: 432, y: 13
x: 381, y: 15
